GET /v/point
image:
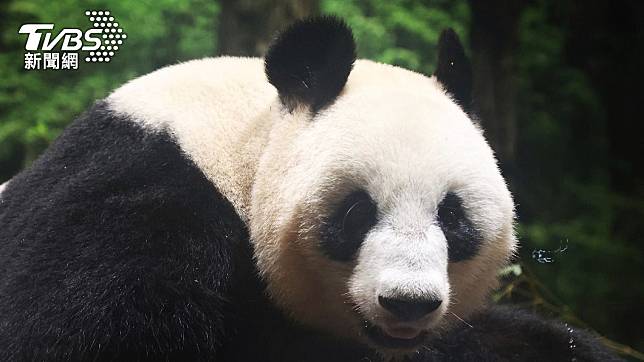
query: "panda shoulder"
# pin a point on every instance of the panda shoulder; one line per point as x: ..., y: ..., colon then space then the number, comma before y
x: 127, y: 204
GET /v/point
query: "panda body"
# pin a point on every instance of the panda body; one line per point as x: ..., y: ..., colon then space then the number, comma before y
x: 193, y: 215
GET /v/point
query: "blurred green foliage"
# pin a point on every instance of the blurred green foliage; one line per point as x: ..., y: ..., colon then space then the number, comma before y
x: 565, y: 192
x: 563, y: 186
x: 401, y: 32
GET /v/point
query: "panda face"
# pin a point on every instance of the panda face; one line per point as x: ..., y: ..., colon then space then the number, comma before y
x: 382, y: 216
x: 390, y: 212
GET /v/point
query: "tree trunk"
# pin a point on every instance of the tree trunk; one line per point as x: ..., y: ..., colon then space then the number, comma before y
x: 494, y: 38
x: 247, y: 26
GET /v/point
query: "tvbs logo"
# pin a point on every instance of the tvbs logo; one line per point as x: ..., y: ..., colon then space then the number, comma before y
x: 101, y: 42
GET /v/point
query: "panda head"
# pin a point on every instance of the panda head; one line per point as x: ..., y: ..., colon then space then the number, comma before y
x: 378, y: 212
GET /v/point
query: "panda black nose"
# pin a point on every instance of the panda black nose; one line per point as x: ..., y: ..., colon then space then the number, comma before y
x: 409, y: 309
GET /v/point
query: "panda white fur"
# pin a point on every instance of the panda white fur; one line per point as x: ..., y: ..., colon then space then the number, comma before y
x: 305, y: 207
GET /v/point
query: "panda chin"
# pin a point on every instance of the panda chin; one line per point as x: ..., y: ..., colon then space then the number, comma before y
x: 382, y: 339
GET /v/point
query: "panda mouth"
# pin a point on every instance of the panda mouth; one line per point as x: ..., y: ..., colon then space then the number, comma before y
x: 383, y: 339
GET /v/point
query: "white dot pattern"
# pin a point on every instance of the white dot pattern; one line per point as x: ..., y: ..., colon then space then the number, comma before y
x: 112, y: 34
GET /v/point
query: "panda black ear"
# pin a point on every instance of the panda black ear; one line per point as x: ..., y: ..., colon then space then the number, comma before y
x: 453, y: 69
x: 310, y: 61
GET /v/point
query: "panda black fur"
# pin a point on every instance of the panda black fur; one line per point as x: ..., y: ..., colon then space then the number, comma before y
x: 140, y: 236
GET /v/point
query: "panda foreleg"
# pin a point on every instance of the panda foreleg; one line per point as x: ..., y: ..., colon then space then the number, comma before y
x: 511, y: 334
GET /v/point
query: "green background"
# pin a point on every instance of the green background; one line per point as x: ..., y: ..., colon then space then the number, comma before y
x: 575, y: 169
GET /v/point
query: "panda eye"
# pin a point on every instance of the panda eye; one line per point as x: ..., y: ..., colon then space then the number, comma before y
x: 344, y: 232
x: 463, y: 239
x: 450, y: 212
x: 359, y: 219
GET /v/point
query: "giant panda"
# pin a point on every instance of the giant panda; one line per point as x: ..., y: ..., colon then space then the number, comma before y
x: 307, y: 206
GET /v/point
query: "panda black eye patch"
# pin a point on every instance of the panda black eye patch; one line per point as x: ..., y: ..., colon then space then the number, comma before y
x: 463, y: 239
x: 344, y: 231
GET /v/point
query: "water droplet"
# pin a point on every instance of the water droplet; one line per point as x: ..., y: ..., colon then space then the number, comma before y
x: 548, y: 256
